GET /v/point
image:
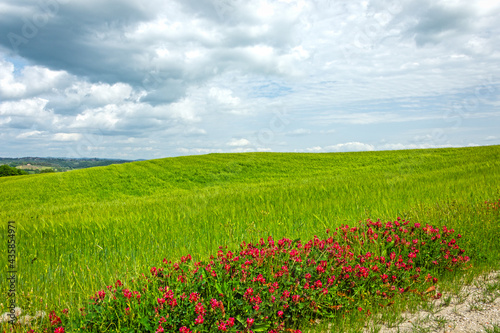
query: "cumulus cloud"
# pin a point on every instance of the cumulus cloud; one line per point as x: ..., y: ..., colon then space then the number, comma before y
x: 8, y: 86
x: 33, y: 109
x: 179, y: 75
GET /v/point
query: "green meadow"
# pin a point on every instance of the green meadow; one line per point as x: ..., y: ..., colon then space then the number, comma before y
x: 79, y: 231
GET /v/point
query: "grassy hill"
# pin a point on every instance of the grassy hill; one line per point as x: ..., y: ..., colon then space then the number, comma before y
x: 80, y: 230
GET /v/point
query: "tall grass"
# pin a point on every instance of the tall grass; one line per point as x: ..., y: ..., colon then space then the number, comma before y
x: 81, y: 230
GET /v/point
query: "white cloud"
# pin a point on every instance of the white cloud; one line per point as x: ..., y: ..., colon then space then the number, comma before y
x: 186, y: 110
x: 110, y: 94
x: 183, y: 72
x: 351, y: 146
x: 101, y: 118
x: 238, y: 142
x: 198, y: 151
x: 99, y: 94
x: 299, y: 131
x: 28, y: 134
x: 316, y: 149
x: 401, y: 146
x: 8, y: 86
x: 33, y: 108
x: 66, y: 136
x: 343, y: 147
x: 30, y: 81
x: 224, y: 96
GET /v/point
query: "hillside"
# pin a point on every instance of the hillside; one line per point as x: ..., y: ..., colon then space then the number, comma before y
x: 88, y: 227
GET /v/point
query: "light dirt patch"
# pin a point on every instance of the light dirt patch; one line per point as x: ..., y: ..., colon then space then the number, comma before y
x: 32, y: 167
x: 474, y: 309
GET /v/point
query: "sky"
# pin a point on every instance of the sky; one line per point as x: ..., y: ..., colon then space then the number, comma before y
x: 135, y: 79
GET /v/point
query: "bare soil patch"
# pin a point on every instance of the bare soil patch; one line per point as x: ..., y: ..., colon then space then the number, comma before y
x: 475, y: 308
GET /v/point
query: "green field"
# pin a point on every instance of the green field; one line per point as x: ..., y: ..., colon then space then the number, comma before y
x: 81, y: 230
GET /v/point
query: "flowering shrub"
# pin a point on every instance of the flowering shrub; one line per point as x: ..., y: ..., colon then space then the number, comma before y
x: 275, y: 285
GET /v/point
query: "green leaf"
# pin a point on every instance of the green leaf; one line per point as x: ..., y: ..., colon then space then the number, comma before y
x: 238, y: 318
x: 145, y: 322
x: 217, y: 286
x: 262, y: 327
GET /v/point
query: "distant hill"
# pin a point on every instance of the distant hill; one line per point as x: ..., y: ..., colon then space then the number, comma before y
x: 45, y: 164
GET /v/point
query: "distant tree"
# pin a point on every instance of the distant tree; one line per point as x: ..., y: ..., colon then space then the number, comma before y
x: 6, y: 170
x: 47, y: 171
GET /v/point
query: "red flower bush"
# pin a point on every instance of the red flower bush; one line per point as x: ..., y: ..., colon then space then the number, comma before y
x: 272, y: 285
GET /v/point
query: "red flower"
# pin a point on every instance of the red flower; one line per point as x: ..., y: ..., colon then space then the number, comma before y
x: 59, y: 330
x: 199, y: 320
x: 194, y: 297
x: 250, y: 322
x: 280, y: 313
x: 101, y: 294
x: 199, y: 309
x: 54, y: 319
x: 222, y: 326
x: 214, y: 303
x: 173, y: 303
x: 249, y: 292
x: 127, y: 293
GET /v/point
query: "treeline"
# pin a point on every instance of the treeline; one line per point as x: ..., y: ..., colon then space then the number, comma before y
x: 6, y: 170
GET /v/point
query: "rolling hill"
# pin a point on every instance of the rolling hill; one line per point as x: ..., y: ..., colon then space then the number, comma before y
x: 79, y: 230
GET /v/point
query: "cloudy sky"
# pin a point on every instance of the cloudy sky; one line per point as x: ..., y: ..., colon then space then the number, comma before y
x: 140, y: 79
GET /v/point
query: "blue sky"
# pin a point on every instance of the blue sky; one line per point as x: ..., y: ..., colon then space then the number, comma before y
x: 134, y: 80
